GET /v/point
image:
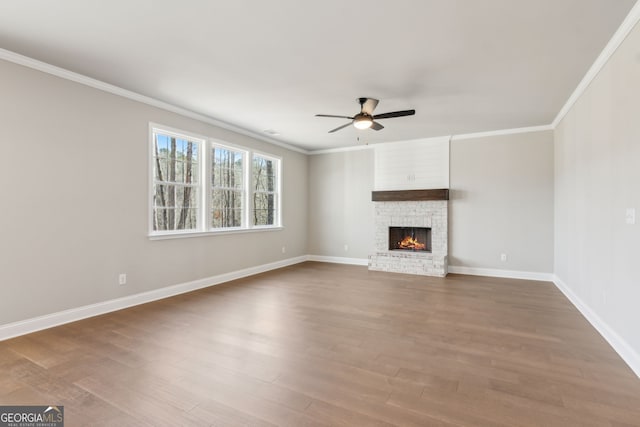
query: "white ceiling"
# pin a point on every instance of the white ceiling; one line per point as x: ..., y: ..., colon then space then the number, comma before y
x: 465, y: 65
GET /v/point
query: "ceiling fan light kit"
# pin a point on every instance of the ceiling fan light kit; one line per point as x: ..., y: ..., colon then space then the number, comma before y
x: 362, y: 121
x: 365, y: 119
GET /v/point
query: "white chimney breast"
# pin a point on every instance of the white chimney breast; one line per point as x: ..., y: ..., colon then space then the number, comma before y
x: 412, y: 165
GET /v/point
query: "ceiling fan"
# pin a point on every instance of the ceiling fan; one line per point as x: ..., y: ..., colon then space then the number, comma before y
x: 365, y: 119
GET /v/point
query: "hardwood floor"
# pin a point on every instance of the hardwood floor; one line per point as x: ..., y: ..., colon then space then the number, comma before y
x: 331, y: 345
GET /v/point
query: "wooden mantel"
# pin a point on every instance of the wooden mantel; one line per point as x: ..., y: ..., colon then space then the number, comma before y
x: 410, y: 195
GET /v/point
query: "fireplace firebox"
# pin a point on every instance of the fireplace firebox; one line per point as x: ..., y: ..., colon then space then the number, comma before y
x: 414, y: 239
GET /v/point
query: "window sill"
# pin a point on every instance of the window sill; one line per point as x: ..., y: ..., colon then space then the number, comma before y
x: 189, y: 234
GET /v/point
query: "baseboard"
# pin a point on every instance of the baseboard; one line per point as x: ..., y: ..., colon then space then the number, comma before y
x: 338, y: 260
x: 27, y: 326
x: 624, y: 350
x: 508, y: 274
x: 526, y: 275
x: 11, y: 330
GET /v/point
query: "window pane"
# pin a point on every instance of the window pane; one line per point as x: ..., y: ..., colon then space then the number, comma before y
x: 186, y: 197
x: 227, y: 192
x: 264, y: 174
x: 159, y: 195
x: 226, y: 208
x: 195, y: 174
x: 175, y: 218
x: 161, y: 218
x: 264, y: 212
x: 175, y: 207
x: 223, y: 218
x: 227, y: 168
x: 226, y: 178
x: 265, y: 187
x: 162, y: 145
x: 175, y: 160
x: 224, y: 199
x: 160, y: 169
x: 178, y: 171
x: 194, y: 152
x: 175, y: 201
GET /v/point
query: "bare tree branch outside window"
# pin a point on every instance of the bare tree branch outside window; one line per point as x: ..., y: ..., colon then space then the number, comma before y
x: 175, y: 181
x: 227, y: 188
x: 179, y: 197
x: 264, y: 191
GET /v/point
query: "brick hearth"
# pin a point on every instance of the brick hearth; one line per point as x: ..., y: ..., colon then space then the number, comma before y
x: 433, y: 214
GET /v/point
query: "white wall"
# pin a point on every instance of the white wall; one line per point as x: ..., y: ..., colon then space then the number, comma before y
x: 340, y: 206
x: 502, y: 202
x: 597, y: 168
x: 412, y: 165
x: 74, y: 200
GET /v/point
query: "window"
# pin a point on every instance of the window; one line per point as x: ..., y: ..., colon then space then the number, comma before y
x: 175, y: 182
x: 265, y: 190
x: 199, y: 185
x: 227, y: 187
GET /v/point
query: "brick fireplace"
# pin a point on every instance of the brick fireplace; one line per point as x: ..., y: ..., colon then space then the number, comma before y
x: 410, y: 210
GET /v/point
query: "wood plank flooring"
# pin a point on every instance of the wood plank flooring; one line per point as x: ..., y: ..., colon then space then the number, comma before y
x: 331, y: 345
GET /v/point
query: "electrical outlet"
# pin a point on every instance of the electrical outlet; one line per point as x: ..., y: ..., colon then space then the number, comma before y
x: 122, y: 279
x: 631, y: 216
x: 346, y: 248
x: 284, y: 249
x: 503, y: 257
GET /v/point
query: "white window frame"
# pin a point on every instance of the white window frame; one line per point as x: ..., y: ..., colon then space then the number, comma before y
x: 205, y: 147
x: 213, y: 143
x: 201, y: 141
x: 278, y: 193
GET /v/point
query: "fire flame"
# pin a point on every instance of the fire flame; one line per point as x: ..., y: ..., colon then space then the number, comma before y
x: 411, y: 243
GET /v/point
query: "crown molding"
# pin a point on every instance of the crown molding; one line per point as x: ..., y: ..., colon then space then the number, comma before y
x: 379, y: 144
x: 63, y: 73
x: 501, y: 132
x: 343, y: 149
x: 451, y: 138
x: 631, y: 20
x: 618, y: 37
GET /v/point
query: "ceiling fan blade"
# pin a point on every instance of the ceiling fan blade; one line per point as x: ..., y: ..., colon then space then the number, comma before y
x: 394, y: 114
x: 369, y: 105
x: 376, y: 126
x: 340, y: 127
x: 337, y: 117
